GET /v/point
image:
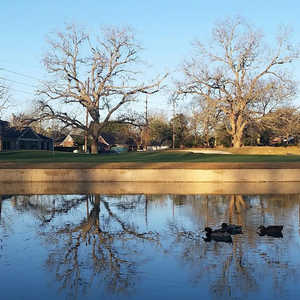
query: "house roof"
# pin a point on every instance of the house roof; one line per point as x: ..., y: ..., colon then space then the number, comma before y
x: 25, y: 133
x: 102, y: 140
x: 79, y: 139
x: 74, y: 138
x: 10, y: 132
x: 108, y: 138
x: 43, y: 137
x: 28, y: 133
x: 4, y: 123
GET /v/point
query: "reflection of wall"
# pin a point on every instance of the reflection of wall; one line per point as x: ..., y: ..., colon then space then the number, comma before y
x: 133, y: 173
x: 114, y: 188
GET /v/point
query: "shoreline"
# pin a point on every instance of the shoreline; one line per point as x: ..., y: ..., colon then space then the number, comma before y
x: 148, y: 188
x: 152, y: 165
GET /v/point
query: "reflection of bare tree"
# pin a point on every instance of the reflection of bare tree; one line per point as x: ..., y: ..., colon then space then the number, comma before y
x: 237, y: 205
x: 102, y: 242
x: 212, y: 210
x: 231, y: 270
x: 5, y: 222
x: 98, y: 240
x: 0, y: 206
x: 46, y: 207
x: 1, y: 241
x: 2, y: 198
x: 234, y: 271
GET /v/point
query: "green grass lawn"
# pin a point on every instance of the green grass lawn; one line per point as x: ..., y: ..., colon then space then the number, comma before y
x: 164, y: 156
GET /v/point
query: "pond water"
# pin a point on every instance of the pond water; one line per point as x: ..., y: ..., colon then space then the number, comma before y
x: 147, y: 247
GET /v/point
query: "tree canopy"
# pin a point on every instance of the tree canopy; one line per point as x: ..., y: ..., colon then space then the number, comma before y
x: 239, y: 75
x: 100, y: 75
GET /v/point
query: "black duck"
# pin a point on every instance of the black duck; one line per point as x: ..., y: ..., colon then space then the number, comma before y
x: 217, y: 235
x: 231, y: 228
x: 272, y: 230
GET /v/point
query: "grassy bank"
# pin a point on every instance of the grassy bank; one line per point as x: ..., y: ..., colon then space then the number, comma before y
x: 144, y: 157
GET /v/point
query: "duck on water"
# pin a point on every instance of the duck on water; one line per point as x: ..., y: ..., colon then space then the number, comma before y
x: 231, y: 228
x: 224, y: 233
x: 272, y: 230
x: 217, y: 235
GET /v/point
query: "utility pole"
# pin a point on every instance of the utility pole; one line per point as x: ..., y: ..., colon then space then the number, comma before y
x: 86, y: 132
x: 146, y: 111
x: 87, y: 119
x: 173, y: 125
x: 147, y: 123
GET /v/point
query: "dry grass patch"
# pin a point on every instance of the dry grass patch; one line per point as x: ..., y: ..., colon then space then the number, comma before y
x: 255, y: 150
x: 267, y: 150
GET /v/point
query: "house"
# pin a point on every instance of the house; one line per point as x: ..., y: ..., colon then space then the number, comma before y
x: 70, y: 143
x: 26, y: 138
x: 76, y: 141
x: 72, y: 140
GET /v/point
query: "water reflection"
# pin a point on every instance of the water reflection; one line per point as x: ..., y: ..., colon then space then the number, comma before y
x: 103, y: 243
x: 138, y: 245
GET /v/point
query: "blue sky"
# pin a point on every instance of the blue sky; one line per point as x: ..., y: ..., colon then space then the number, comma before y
x: 164, y: 28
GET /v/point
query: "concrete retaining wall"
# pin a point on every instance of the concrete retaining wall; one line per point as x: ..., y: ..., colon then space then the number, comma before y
x: 148, y: 175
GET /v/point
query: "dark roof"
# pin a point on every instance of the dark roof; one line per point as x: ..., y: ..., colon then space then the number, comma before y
x: 43, y: 137
x: 14, y: 133
x: 109, y: 138
x: 4, y: 123
x: 75, y: 136
x: 28, y: 133
x: 60, y: 139
x: 10, y: 132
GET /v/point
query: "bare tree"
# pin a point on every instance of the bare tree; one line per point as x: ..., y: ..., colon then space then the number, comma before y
x: 4, y: 97
x: 99, y: 76
x: 239, y: 74
x: 205, y: 118
x: 24, y: 119
x: 284, y: 122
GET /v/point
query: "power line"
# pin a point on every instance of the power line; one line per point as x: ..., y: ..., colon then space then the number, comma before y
x: 20, y: 74
x: 17, y: 82
x: 22, y: 91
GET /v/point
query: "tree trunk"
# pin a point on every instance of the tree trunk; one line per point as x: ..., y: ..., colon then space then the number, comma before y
x: 237, y: 130
x: 94, y: 132
x: 94, y: 214
x: 237, y: 140
x: 94, y: 147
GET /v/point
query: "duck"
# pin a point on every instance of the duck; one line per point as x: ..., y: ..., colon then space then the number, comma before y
x: 271, y: 230
x: 231, y: 228
x: 217, y: 235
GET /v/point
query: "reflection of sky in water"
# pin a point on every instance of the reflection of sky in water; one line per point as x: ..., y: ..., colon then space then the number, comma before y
x: 107, y: 247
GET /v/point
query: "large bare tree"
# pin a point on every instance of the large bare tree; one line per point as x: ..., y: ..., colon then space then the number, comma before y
x: 240, y: 74
x: 4, y: 97
x: 99, y: 75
